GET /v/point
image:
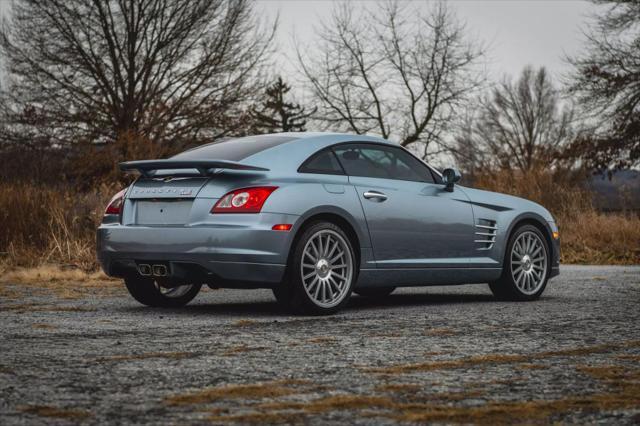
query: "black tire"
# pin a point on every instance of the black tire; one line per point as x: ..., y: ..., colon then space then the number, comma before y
x: 283, y: 294
x: 374, y: 293
x: 505, y: 288
x: 145, y: 291
x: 292, y: 294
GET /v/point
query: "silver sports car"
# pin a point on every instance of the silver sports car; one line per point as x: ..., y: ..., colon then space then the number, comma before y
x: 315, y: 216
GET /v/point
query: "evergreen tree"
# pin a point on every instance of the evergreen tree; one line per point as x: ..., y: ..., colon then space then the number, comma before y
x: 275, y: 114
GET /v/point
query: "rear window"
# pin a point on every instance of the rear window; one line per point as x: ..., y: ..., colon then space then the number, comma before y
x: 323, y: 162
x: 236, y: 149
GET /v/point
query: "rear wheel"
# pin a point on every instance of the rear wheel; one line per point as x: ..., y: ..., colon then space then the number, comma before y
x: 149, y: 292
x: 283, y: 295
x: 526, y: 266
x: 321, y: 272
x: 374, y: 293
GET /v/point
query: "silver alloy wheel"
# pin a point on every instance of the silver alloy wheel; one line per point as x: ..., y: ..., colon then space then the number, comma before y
x: 173, y: 292
x: 326, y: 268
x: 528, y: 262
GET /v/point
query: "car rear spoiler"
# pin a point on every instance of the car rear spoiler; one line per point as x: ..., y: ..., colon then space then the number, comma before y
x: 204, y: 167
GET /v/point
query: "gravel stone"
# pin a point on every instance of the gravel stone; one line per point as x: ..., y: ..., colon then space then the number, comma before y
x: 104, y: 358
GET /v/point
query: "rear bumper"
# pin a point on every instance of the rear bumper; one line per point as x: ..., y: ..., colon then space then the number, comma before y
x: 244, y: 252
x: 216, y: 274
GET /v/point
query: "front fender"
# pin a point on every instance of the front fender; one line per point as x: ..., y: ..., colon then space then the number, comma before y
x: 548, y: 228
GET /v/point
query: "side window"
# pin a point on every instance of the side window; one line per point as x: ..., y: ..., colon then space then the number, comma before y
x: 324, y: 162
x: 380, y: 161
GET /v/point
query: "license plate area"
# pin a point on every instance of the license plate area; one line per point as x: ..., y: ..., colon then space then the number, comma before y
x: 163, y: 212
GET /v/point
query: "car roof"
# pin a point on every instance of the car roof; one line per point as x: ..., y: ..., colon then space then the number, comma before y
x: 288, y: 156
x: 283, y: 152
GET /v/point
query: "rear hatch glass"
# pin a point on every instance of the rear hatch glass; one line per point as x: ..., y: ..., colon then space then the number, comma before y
x: 233, y: 149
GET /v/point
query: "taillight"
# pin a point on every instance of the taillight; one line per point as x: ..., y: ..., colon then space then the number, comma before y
x: 244, y: 200
x: 282, y: 227
x: 115, y: 205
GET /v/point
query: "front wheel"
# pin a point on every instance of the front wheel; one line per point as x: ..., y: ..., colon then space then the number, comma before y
x: 149, y: 292
x: 321, y: 271
x: 526, y: 266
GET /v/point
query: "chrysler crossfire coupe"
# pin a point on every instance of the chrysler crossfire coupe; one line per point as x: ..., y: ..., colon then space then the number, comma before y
x: 315, y: 217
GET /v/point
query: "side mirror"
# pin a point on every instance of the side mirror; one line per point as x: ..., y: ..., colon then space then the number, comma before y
x: 449, y: 178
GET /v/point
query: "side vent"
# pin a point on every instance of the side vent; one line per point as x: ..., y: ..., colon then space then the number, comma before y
x: 486, y: 231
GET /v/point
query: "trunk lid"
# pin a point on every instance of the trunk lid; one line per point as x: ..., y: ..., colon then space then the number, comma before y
x: 164, y: 201
x: 181, y: 192
x: 183, y: 188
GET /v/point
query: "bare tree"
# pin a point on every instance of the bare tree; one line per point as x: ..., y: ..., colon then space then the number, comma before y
x: 520, y: 126
x: 166, y: 71
x: 393, y: 71
x: 606, y: 82
x: 465, y: 150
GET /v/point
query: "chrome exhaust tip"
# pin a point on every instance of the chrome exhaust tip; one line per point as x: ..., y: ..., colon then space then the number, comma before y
x: 160, y: 270
x: 144, y: 269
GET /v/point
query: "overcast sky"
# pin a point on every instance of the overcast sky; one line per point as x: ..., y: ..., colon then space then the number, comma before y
x: 518, y: 32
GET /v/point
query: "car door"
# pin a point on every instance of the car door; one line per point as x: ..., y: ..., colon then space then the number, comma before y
x: 413, y: 222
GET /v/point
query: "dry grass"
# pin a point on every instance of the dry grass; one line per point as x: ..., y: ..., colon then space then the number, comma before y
x: 240, y: 349
x: 43, y: 326
x: 55, y: 412
x: 537, y: 411
x: 613, y: 374
x: 11, y: 292
x: 532, y: 367
x: 587, y: 235
x: 246, y: 391
x: 150, y: 355
x: 441, y: 408
x: 40, y: 307
x: 624, y: 393
x: 50, y: 224
x: 49, y: 273
x: 259, y: 418
x: 346, y: 402
x: 440, y: 332
x: 629, y: 357
x: 388, y: 335
x: 399, y: 388
x: 322, y: 340
x: 244, y: 323
x: 330, y: 403
x: 493, y: 359
x: 600, y: 238
x: 405, y: 402
x: 450, y: 364
x: 63, y: 283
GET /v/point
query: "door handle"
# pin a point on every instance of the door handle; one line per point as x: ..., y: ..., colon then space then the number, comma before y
x: 375, y: 195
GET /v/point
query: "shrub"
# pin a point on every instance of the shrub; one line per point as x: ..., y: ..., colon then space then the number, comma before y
x: 56, y: 224
x: 50, y: 224
x: 587, y: 235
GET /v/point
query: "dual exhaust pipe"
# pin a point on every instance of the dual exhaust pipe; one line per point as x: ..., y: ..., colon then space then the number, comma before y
x: 147, y: 270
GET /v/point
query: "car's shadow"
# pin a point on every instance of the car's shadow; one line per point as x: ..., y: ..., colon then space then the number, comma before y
x: 263, y: 308
x: 417, y: 299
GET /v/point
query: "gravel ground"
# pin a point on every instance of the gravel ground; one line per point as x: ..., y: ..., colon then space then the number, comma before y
x: 438, y: 354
